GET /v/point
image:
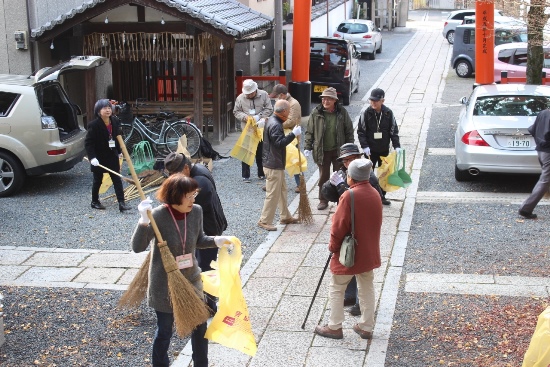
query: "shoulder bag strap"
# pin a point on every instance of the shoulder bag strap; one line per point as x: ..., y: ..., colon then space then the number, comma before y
x: 352, y: 214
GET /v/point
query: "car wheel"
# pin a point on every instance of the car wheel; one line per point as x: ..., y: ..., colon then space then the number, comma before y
x: 357, y: 86
x: 12, y: 175
x: 450, y: 37
x: 463, y: 69
x: 372, y: 55
x: 379, y: 51
x: 462, y: 176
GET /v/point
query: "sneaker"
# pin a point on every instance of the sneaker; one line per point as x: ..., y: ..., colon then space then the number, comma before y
x: 264, y: 188
x: 527, y: 215
x: 246, y: 179
x: 261, y: 177
x: 267, y: 227
x: 297, y: 189
x: 349, y: 301
x: 355, y: 310
x: 322, y: 205
x: 362, y: 333
x: 385, y: 201
x: 290, y: 220
x: 328, y: 332
x: 97, y: 205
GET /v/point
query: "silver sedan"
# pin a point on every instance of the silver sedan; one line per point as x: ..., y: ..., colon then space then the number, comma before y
x: 491, y: 134
x: 364, y: 33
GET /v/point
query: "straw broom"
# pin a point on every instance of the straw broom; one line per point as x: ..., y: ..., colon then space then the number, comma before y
x: 189, y: 309
x: 304, y: 209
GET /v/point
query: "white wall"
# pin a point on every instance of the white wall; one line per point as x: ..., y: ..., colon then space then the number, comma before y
x: 266, y: 7
x: 319, y: 27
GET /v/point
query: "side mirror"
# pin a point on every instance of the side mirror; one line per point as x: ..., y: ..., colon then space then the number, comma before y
x: 463, y: 100
x: 379, y: 30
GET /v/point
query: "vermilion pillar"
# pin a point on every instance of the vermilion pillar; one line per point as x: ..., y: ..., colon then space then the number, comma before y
x: 300, y: 87
x: 485, y: 41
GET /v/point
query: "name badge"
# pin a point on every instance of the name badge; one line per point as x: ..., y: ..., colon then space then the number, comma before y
x: 378, y: 135
x: 111, y: 143
x: 184, y: 261
x: 252, y: 112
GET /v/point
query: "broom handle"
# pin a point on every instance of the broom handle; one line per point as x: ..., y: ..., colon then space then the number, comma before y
x: 299, y: 155
x: 138, y: 185
x: 113, y: 172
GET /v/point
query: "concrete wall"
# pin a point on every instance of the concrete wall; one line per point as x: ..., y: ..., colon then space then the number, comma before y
x: 14, y: 18
x: 266, y: 7
x: 319, y: 27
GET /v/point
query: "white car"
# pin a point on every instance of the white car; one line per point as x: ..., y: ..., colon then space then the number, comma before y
x: 364, y: 33
x: 491, y: 134
x: 455, y: 19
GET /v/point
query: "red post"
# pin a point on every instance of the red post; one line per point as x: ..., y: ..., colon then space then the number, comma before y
x: 485, y: 41
x: 300, y: 40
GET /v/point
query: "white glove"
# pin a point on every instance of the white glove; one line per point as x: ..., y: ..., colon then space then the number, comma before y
x: 307, y: 153
x: 297, y: 130
x: 366, y: 151
x: 398, y: 150
x: 120, y: 156
x: 223, y: 241
x: 256, y: 117
x: 94, y: 162
x: 261, y: 123
x: 143, y: 207
x: 336, y: 179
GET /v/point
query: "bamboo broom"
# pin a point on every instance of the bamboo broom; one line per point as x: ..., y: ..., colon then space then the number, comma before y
x: 189, y: 309
x: 304, y: 209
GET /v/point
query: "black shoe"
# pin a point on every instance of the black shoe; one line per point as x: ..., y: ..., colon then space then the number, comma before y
x: 349, y: 301
x: 355, y: 310
x: 526, y: 215
x: 385, y: 201
x: 97, y: 205
x: 123, y: 207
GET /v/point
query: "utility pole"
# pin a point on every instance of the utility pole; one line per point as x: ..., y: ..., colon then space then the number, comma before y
x: 278, y: 35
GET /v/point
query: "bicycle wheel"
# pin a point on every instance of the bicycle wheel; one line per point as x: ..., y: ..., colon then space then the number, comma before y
x: 184, y: 128
x: 130, y: 136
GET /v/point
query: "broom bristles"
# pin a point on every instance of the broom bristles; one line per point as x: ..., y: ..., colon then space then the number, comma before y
x: 189, y: 309
x: 137, y: 289
x: 304, y: 209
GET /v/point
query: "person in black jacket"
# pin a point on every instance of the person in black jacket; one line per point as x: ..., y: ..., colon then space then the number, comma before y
x: 377, y: 127
x: 214, y: 221
x: 102, y: 148
x: 274, y: 160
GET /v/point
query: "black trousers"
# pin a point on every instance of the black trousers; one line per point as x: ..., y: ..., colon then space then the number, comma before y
x: 246, y: 167
x: 117, y: 184
x: 330, y: 157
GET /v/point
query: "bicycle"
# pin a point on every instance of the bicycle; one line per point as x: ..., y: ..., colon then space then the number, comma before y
x: 159, y: 130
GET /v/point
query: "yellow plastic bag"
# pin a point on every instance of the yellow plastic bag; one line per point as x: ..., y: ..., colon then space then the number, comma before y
x: 231, y: 326
x: 386, y: 170
x: 292, y: 164
x: 211, y: 280
x: 538, y: 354
x: 245, y: 148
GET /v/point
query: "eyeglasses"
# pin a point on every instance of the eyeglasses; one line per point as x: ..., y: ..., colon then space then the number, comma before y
x: 192, y: 196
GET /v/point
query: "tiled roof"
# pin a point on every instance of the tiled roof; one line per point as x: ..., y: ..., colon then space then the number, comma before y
x: 230, y: 16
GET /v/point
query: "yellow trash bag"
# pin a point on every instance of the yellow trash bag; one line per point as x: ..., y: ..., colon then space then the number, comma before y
x: 538, y: 354
x: 386, y: 170
x: 292, y: 164
x: 231, y: 326
x: 245, y: 148
x: 211, y: 280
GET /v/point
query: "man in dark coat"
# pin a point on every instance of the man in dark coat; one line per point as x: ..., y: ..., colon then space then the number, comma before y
x: 214, y: 221
x: 274, y: 161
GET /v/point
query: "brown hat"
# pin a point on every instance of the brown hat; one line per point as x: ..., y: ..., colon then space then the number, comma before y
x: 330, y: 92
x: 174, y: 162
x: 278, y: 89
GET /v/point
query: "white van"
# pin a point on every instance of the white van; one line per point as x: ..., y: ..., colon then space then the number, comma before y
x: 39, y: 129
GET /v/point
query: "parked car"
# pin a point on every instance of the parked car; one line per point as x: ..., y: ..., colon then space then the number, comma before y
x: 334, y: 63
x: 471, y: 19
x: 455, y: 19
x: 364, y: 33
x: 512, y: 57
x: 463, y: 59
x: 39, y: 125
x: 491, y: 134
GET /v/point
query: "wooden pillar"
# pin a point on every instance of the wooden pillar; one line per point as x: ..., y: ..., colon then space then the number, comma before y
x: 216, y: 103
x: 198, y: 87
x: 230, y: 101
x: 485, y: 41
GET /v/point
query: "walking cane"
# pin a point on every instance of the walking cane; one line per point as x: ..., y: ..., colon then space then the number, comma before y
x: 316, y: 290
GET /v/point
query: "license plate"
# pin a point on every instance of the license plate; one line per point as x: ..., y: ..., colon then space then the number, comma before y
x: 520, y: 142
x: 319, y: 88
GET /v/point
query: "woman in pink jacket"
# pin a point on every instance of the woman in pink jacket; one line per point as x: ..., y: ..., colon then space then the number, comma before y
x: 368, y: 222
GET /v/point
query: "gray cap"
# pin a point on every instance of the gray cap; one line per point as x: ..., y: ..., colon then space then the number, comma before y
x: 360, y: 169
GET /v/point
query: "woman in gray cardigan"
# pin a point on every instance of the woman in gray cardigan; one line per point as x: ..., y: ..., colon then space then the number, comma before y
x: 179, y: 221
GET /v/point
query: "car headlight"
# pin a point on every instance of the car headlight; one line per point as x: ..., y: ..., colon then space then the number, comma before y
x: 48, y: 122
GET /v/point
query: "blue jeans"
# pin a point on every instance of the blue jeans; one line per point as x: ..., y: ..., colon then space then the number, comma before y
x: 351, y: 290
x: 199, y: 344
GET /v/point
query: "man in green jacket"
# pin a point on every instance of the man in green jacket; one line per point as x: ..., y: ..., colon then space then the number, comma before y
x: 328, y: 128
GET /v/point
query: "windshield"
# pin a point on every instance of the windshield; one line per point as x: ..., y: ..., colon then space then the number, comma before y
x: 327, y: 61
x: 510, y: 105
x: 353, y: 28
